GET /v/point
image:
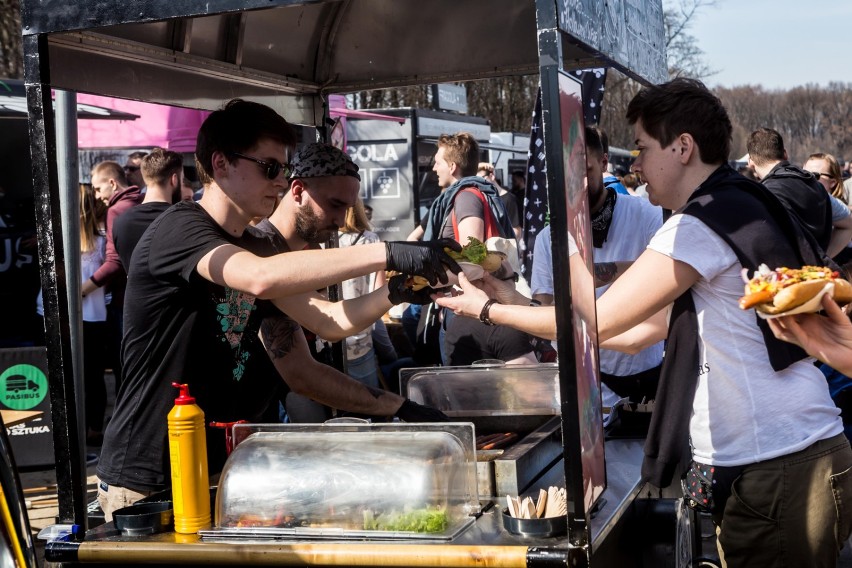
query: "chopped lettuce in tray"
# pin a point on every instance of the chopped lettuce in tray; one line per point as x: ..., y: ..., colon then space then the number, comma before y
x: 425, y: 520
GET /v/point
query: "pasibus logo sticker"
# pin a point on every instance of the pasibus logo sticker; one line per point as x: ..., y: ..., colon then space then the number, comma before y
x: 22, y: 387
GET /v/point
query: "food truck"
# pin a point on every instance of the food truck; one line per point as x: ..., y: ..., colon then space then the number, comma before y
x: 366, y: 494
x: 396, y: 158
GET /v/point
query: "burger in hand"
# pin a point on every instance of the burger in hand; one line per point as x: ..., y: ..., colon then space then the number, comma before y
x: 787, y: 291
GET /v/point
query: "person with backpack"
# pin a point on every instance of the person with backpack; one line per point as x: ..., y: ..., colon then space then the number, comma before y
x: 470, y: 206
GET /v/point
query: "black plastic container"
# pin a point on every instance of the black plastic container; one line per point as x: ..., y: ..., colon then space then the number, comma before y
x: 144, y: 518
x: 540, y: 528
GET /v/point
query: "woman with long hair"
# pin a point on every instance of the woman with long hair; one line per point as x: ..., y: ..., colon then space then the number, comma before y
x: 92, y: 251
x: 827, y: 168
x: 361, y: 361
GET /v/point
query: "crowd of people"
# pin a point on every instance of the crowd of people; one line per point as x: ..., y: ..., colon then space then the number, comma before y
x: 225, y: 289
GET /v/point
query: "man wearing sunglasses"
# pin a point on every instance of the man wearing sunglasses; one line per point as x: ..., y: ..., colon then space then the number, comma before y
x: 825, y: 217
x: 133, y: 170
x: 199, y: 288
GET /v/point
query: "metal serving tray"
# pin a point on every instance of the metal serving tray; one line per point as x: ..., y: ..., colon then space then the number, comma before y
x: 500, y: 398
x: 347, y: 481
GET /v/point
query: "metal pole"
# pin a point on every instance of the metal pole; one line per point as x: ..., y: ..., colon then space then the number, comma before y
x: 65, y: 106
x: 70, y: 472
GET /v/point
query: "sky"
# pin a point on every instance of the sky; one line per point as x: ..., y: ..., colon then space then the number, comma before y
x: 778, y: 44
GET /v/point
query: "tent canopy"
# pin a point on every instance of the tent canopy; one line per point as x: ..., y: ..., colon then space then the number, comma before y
x: 198, y: 54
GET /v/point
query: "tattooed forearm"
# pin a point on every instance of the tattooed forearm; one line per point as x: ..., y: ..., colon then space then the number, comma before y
x: 605, y: 273
x: 376, y: 392
x: 278, y: 334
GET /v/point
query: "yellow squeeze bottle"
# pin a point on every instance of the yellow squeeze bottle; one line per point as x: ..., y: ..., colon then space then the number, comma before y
x: 188, y: 455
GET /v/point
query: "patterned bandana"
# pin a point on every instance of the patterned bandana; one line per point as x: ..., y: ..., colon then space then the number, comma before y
x: 322, y: 160
x: 602, y: 219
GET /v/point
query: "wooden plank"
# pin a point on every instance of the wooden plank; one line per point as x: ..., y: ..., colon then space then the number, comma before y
x: 15, y: 417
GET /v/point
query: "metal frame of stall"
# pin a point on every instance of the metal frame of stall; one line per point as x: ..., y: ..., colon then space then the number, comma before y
x: 98, y: 46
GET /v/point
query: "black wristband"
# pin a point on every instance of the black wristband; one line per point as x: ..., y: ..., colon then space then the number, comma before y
x: 483, y: 315
x: 535, y: 303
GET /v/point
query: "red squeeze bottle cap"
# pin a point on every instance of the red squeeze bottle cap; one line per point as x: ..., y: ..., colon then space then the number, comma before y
x: 184, y: 397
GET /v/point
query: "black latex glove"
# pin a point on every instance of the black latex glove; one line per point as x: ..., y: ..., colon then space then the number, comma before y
x: 411, y: 411
x: 426, y: 259
x: 398, y: 292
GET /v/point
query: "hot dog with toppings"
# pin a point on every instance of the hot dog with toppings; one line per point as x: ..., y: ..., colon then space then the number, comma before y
x: 784, y: 289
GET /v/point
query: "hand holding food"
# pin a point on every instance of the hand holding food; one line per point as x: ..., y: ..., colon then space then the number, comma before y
x: 401, y: 289
x: 474, y: 260
x: 789, y: 290
x: 469, y: 303
x: 431, y: 259
x: 828, y: 338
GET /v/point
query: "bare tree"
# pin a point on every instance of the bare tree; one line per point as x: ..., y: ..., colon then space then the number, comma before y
x: 683, y: 57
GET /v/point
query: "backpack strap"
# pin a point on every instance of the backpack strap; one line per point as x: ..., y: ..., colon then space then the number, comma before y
x: 491, y: 228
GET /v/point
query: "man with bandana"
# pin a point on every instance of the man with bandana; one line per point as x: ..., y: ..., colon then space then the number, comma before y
x: 622, y: 226
x: 324, y: 182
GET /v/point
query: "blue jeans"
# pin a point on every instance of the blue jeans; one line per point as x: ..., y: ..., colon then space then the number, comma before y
x: 364, y: 369
x: 449, y: 316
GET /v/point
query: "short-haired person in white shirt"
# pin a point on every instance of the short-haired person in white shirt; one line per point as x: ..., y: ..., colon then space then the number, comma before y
x: 762, y: 425
x: 622, y: 226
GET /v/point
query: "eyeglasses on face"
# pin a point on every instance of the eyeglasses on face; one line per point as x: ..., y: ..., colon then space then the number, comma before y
x: 821, y: 175
x: 273, y: 167
x: 130, y: 168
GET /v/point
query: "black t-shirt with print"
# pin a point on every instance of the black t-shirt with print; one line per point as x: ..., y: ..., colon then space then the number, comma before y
x: 179, y: 327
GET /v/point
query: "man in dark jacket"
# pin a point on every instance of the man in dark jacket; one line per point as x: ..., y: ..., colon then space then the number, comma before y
x: 799, y: 191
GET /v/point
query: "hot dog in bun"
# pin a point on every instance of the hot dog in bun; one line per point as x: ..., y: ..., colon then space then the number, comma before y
x: 473, y: 252
x: 782, y: 290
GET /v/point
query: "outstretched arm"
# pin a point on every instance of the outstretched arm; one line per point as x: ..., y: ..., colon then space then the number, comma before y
x: 302, y: 271
x: 537, y: 321
x: 289, y: 273
x: 285, y: 343
x: 335, y: 321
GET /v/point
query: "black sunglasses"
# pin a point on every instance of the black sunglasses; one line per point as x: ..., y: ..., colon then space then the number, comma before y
x: 131, y: 168
x: 273, y: 167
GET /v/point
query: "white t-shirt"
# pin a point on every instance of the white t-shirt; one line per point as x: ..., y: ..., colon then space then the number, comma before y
x: 743, y: 411
x: 634, y: 223
x: 94, y: 304
x: 361, y: 343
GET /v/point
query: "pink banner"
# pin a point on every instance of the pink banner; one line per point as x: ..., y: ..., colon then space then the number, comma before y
x: 173, y: 128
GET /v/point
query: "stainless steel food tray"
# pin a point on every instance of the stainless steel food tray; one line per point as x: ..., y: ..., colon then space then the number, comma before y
x: 270, y: 533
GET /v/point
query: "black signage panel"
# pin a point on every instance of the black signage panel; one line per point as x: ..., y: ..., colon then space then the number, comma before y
x: 23, y: 387
x: 630, y: 33
x: 449, y: 97
x: 382, y: 150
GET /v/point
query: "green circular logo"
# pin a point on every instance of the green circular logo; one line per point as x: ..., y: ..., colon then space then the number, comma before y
x: 22, y: 387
